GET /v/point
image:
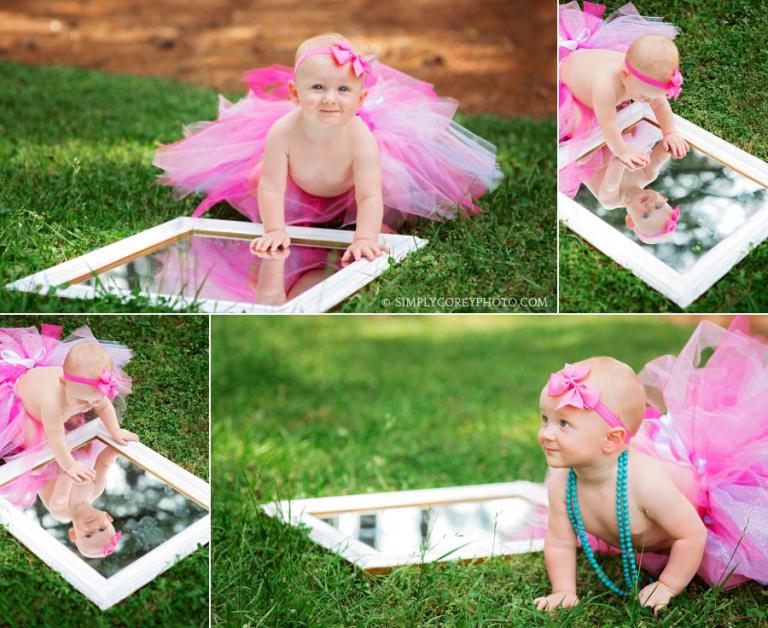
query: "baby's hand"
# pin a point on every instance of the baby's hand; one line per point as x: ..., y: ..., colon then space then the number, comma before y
x: 124, y: 436
x: 656, y: 595
x: 633, y: 158
x: 675, y: 144
x: 363, y: 247
x: 79, y: 472
x: 270, y: 241
x: 564, y: 599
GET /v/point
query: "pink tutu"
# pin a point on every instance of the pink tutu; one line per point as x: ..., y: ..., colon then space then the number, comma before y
x: 430, y: 165
x: 224, y: 269
x: 579, y: 29
x: 22, y: 349
x: 715, y: 428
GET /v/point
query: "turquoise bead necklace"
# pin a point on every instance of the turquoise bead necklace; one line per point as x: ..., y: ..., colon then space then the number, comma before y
x: 628, y: 564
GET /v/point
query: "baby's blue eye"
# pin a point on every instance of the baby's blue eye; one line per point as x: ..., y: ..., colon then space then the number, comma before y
x: 544, y: 419
x: 343, y: 88
x: 317, y: 86
x: 646, y: 215
x: 564, y: 423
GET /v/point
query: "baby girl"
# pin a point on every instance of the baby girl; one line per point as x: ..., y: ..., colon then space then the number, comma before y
x: 336, y: 138
x: 604, y: 64
x: 46, y: 383
x: 684, y: 490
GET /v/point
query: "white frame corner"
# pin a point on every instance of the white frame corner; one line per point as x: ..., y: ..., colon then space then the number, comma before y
x: 106, y: 592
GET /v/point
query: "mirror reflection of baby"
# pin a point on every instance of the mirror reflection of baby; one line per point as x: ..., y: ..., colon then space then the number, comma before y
x: 48, y: 386
x: 338, y: 137
x: 605, y: 64
x: 683, y: 492
x: 649, y: 213
x: 92, y: 531
x: 67, y: 501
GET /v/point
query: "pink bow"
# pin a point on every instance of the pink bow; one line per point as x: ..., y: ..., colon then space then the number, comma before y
x: 674, y: 218
x: 342, y: 53
x: 576, y: 394
x: 675, y: 85
x: 107, y: 383
x: 110, y: 547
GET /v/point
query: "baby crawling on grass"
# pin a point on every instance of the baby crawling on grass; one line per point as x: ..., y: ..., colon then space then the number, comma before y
x: 677, y: 487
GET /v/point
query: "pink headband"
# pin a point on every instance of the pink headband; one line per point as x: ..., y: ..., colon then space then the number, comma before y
x: 673, y: 86
x: 669, y: 226
x: 109, y: 548
x: 107, y: 383
x: 342, y: 53
x: 567, y: 383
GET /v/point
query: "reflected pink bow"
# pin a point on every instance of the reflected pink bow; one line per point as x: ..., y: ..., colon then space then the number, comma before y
x: 675, y: 85
x: 674, y: 218
x: 342, y: 53
x: 110, y: 547
x: 576, y: 394
x: 107, y: 383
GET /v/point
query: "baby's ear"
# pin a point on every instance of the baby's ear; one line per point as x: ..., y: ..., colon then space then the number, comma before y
x: 109, y: 518
x: 363, y: 96
x: 624, y: 72
x: 629, y: 221
x: 72, y: 534
x: 293, y: 93
x: 614, y: 439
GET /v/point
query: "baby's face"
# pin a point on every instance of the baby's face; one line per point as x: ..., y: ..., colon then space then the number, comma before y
x: 80, y: 396
x: 328, y: 94
x: 92, y: 530
x: 648, y: 211
x: 568, y: 436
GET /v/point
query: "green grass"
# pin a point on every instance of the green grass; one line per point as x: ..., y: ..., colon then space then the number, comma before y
x: 390, y: 403
x: 168, y: 409
x: 724, y: 61
x: 76, y: 150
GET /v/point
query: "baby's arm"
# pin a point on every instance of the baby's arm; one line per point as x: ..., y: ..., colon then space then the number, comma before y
x: 604, y: 102
x: 53, y: 425
x: 664, y: 504
x: 106, y: 412
x: 370, y: 204
x: 271, y: 192
x: 609, y: 193
x: 673, y: 141
x: 559, y: 548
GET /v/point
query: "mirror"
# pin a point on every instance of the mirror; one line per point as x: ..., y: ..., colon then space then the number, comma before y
x: 436, y: 531
x: 714, y: 199
x: 221, y: 268
x: 124, y: 498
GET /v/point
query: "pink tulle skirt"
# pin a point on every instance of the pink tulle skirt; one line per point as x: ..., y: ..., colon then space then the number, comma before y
x: 714, y: 427
x: 23, y: 349
x: 431, y: 166
x: 579, y: 29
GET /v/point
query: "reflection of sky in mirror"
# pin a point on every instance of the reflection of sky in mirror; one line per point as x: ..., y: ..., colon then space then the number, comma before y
x: 209, y: 267
x: 482, y: 527
x: 714, y: 201
x: 146, y: 510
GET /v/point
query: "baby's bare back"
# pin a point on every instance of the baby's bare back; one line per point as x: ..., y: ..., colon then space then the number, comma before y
x: 585, y: 71
x: 41, y: 388
x: 321, y: 169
